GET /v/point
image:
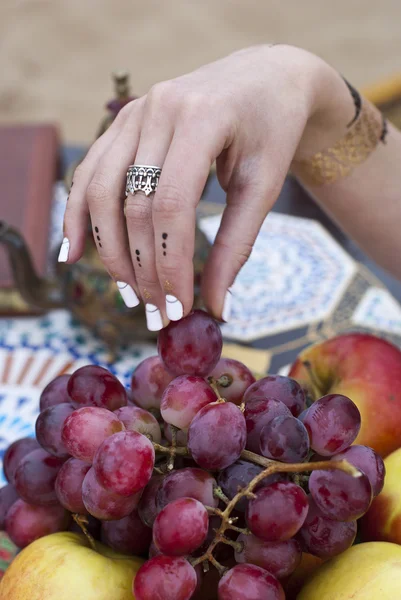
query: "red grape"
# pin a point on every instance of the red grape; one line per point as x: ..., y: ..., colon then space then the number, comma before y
x: 259, y: 413
x: 181, y: 527
x: 135, y: 418
x: 124, y: 462
x: 147, y: 507
x: 369, y: 462
x: 26, y: 523
x: 249, y: 582
x: 55, y: 393
x: 87, y: 428
x: 285, y: 389
x: 189, y: 482
x: 128, y: 535
x: 277, y: 512
x: 102, y: 503
x: 285, y: 439
x: 181, y: 437
x: 217, y: 435
x: 191, y: 346
x: 183, y: 398
x: 94, y: 386
x: 165, y: 578
x: 279, y: 558
x: 69, y: 485
x: 238, y: 476
x: 340, y: 496
x: 15, y: 453
x: 8, y: 495
x: 325, y: 537
x: 333, y: 423
x: 149, y: 381
x: 49, y: 425
x: 36, y: 476
x: 241, y: 376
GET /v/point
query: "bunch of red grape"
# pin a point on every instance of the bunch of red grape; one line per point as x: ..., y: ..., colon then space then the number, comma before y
x: 185, y: 477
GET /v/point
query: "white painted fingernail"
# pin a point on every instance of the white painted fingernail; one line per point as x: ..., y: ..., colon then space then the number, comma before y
x: 128, y: 294
x: 227, y: 306
x: 153, y: 317
x: 64, y: 250
x: 174, y: 308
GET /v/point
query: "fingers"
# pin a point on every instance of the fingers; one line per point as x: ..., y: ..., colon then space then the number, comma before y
x: 105, y: 196
x: 77, y: 213
x: 248, y: 203
x: 153, y: 146
x: 183, y: 178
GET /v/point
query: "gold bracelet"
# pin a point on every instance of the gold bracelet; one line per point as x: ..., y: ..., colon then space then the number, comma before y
x: 361, y: 139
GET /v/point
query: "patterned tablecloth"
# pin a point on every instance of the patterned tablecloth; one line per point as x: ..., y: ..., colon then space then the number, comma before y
x: 299, y: 286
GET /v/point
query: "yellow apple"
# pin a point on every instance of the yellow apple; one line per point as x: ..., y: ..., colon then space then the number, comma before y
x: 64, y: 566
x: 382, y: 522
x: 369, y: 571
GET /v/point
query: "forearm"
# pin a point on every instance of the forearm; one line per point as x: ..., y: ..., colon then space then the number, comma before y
x: 366, y: 203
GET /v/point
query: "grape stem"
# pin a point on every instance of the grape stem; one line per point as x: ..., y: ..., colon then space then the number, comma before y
x: 218, y: 493
x: 315, y: 383
x: 216, y: 564
x: 240, y: 530
x: 273, y: 467
x: 225, y: 380
x: 173, y: 448
x: 238, y: 546
x: 215, y: 387
x: 342, y: 465
x: 82, y: 522
x: 178, y: 451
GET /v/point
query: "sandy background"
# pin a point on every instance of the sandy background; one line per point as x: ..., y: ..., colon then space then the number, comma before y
x: 56, y: 56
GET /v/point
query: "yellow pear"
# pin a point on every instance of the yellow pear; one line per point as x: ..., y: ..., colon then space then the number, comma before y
x: 64, y: 566
x: 370, y: 571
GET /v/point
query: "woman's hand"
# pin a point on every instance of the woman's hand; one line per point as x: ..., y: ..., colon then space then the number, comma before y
x: 248, y: 112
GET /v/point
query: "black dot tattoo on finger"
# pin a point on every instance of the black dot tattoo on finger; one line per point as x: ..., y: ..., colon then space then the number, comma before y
x: 164, y: 244
x: 138, y: 257
x: 68, y: 197
x: 98, y: 237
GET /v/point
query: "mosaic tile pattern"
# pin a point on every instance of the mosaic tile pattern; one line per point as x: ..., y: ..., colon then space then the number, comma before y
x: 295, y: 276
x: 19, y: 408
x: 378, y: 310
x: 59, y: 333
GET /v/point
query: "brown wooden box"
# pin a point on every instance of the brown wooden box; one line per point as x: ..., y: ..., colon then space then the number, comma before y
x: 28, y: 170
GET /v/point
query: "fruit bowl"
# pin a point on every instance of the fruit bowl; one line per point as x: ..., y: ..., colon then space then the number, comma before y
x: 213, y: 483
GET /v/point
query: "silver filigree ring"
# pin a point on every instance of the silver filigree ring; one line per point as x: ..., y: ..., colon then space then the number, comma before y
x: 142, y: 178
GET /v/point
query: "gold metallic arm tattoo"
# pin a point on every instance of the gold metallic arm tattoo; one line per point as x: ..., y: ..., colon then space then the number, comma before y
x: 365, y: 132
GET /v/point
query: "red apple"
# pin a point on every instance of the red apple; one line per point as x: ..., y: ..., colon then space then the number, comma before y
x: 365, y: 368
x: 382, y: 522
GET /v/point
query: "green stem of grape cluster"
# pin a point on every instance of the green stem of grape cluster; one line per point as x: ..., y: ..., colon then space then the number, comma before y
x: 276, y: 467
x: 271, y: 467
x: 82, y: 522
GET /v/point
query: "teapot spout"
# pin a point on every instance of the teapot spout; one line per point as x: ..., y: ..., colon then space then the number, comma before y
x: 36, y: 291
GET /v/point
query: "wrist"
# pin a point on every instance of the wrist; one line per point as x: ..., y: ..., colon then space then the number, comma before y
x: 332, y: 109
